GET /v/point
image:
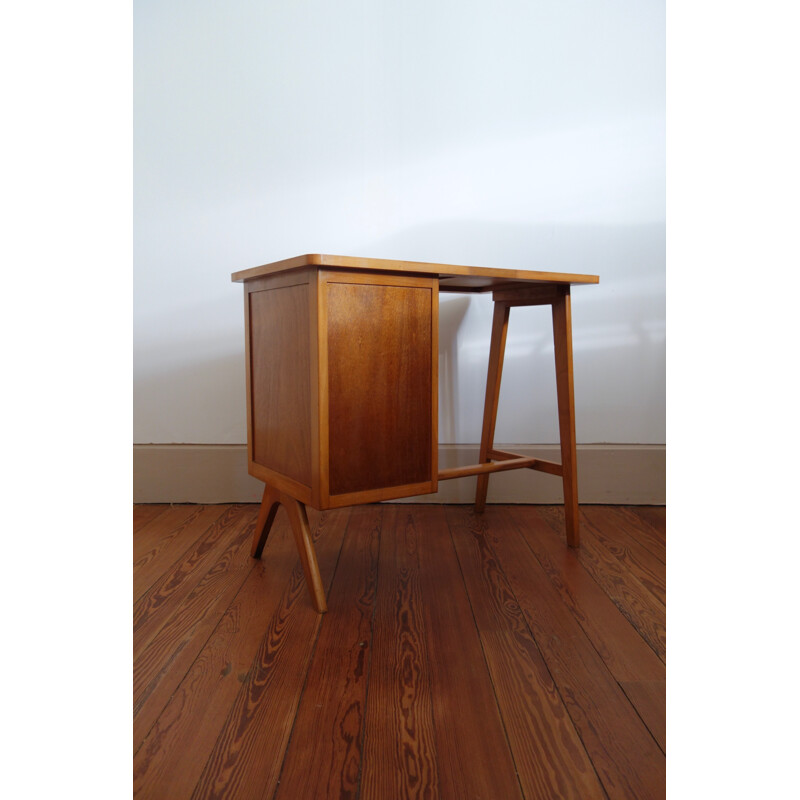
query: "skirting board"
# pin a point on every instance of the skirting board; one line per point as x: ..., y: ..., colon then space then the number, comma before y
x: 630, y: 474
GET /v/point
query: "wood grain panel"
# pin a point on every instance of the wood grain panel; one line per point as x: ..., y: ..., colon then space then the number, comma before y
x: 280, y: 380
x: 379, y: 373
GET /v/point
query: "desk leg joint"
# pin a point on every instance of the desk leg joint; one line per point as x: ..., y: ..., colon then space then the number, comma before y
x: 298, y: 519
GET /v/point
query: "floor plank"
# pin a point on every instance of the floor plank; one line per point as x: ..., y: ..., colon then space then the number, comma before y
x: 162, y: 542
x: 167, y: 594
x: 554, y: 762
x: 323, y: 759
x: 625, y: 755
x: 473, y: 755
x: 654, y: 516
x: 143, y: 514
x: 399, y: 747
x: 260, y: 719
x: 175, y: 751
x: 462, y: 655
x: 626, y: 655
x: 620, y: 539
x: 633, y: 527
x: 649, y: 699
x: 645, y: 612
x: 162, y: 660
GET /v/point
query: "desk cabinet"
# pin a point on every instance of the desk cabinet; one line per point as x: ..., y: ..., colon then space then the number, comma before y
x: 342, y: 385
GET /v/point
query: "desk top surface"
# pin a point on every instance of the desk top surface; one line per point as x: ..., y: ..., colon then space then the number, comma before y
x: 451, y: 276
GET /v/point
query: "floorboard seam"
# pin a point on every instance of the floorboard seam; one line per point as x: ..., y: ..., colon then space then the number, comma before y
x: 202, y: 649
x: 544, y: 659
x: 369, y: 661
x: 485, y: 659
x: 313, y: 652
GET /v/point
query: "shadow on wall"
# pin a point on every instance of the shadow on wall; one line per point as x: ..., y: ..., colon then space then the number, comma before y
x: 189, y: 383
x: 452, y: 309
x: 618, y: 329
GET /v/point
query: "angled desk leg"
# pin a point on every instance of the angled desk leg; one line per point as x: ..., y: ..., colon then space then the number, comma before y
x: 562, y: 339
x: 496, y: 352
x: 558, y: 297
x: 302, y: 537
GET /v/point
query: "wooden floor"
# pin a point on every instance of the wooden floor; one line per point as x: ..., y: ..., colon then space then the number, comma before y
x: 462, y: 656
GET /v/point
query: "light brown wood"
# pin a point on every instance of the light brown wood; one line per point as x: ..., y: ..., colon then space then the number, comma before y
x: 282, y: 484
x: 541, y: 464
x: 452, y: 276
x: 298, y: 519
x: 481, y: 470
x: 342, y: 383
x: 497, y: 349
x: 562, y: 339
x: 308, y: 558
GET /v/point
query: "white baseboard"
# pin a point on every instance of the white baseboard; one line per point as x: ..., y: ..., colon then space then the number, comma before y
x: 630, y: 474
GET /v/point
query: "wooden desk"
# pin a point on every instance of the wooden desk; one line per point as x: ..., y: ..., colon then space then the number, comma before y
x: 342, y: 382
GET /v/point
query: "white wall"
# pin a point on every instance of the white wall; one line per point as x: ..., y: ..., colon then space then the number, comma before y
x: 509, y: 134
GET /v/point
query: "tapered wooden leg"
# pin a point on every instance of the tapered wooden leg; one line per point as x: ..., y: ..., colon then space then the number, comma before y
x: 266, y: 516
x: 562, y: 338
x: 496, y: 352
x: 298, y: 519
x: 308, y: 558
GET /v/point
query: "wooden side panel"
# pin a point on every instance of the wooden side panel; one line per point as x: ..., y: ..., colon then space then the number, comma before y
x: 280, y: 381
x: 380, y: 385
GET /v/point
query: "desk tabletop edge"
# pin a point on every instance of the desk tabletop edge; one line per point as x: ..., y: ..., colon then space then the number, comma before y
x: 418, y: 267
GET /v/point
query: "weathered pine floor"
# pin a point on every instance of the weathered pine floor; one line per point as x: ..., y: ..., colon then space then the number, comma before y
x: 462, y: 656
